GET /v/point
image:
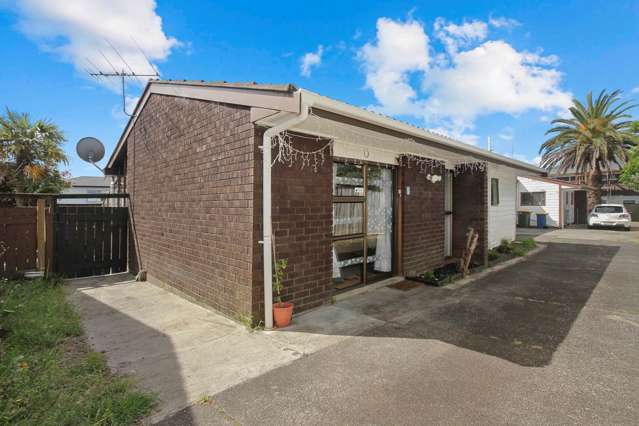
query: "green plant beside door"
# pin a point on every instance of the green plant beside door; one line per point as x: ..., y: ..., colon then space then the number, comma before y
x: 282, y: 311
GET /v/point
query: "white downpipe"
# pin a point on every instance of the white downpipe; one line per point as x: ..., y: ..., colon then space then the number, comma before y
x: 267, y: 223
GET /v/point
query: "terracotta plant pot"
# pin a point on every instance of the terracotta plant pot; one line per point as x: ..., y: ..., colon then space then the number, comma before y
x: 282, y: 314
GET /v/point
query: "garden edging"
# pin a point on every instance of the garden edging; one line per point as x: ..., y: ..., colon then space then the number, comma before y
x: 468, y: 280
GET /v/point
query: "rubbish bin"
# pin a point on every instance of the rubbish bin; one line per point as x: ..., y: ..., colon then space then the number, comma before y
x: 523, y: 219
x: 541, y: 221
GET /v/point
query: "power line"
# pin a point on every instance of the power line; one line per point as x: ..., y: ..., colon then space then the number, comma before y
x: 99, y: 74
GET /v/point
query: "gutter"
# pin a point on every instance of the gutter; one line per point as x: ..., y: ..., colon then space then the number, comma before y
x: 267, y: 223
x: 357, y: 113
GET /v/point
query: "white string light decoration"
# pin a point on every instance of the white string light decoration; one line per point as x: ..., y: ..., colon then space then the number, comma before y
x: 289, y: 155
x: 433, y: 169
x: 472, y: 166
x: 426, y: 165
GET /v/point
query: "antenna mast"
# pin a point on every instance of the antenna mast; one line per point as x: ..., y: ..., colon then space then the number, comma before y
x: 98, y: 74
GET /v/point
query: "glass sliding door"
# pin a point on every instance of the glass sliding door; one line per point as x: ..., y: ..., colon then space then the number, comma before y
x: 349, y: 207
x: 362, y: 224
x: 379, y: 223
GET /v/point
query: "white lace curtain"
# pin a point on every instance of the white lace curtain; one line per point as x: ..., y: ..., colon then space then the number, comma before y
x: 347, y: 219
x: 380, y: 218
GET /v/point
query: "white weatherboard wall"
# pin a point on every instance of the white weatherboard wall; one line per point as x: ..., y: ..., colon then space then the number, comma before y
x: 502, y: 219
x: 619, y: 199
x: 552, y: 200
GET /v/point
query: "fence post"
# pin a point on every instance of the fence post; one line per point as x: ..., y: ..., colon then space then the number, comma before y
x: 50, y: 227
x: 41, y: 232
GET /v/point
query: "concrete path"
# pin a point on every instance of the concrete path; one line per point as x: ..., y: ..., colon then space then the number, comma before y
x: 553, y: 340
x: 176, y: 348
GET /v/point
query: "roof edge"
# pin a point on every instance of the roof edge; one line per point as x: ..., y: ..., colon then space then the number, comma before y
x: 273, y: 87
x: 342, y: 108
x: 282, y: 97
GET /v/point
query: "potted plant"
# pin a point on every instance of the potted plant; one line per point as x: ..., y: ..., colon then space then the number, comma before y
x: 282, y: 311
x: 430, y: 278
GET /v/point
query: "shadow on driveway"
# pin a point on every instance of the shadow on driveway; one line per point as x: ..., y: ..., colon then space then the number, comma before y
x: 521, y: 313
x: 132, y: 346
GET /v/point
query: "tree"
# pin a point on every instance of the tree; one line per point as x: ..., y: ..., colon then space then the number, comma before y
x: 30, y: 153
x: 630, y: 173
x: 594, y: 137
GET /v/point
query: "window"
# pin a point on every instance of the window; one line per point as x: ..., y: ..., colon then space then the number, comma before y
x: 533, y: 199
x: 609, y: 209
x: 494, y: 192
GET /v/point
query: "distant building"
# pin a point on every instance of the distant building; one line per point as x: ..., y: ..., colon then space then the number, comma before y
x: 562, y: 203
x: 87, y: 185
x: 611, y: 192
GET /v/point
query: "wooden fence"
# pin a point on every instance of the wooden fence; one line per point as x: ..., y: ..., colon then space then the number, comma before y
x: 90, y: 240
x: 18, y: 240
x: 67, y: 240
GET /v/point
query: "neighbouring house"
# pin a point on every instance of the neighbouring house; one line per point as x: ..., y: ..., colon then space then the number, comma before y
x: 348, y: 196
x: 563, y: 203
x: 612, y: 191
x: 89, y: 185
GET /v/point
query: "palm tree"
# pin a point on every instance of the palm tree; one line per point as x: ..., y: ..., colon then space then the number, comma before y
x: 30, y: 154
x: 595, y: 136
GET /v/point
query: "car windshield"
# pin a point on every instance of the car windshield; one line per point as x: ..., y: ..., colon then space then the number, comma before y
x: 609, y: 209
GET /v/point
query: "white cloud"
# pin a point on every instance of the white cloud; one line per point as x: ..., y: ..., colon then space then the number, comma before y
x: 503, y: 22
x: 472, y: 78
x: 310, y: 60
x: 401, y: 49
x: 458, y: 133
x: 79, y: 32
x: 506, y: 134
x: 130, y: 103
x: 454, y: 36
x: 635, y: 90
x: 493, y: 77
x: 534, y: 161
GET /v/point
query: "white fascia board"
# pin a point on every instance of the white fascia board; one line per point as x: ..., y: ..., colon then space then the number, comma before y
x: 273, y: 100
x: 341, y: 108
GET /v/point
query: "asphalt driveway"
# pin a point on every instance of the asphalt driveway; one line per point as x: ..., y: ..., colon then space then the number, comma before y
x: 553, y: 340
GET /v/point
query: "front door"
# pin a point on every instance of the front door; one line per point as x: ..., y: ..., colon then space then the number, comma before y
x: 362, y: 224
x: 448, y: 212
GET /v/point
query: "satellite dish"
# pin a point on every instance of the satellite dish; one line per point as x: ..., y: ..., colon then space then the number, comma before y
x: 90, y: 149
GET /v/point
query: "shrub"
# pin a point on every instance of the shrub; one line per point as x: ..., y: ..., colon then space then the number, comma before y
x: 505, y: 247
x: 493, y: 254
x: 528, y: 244
x: 430, y: 278
x: 519, y: 251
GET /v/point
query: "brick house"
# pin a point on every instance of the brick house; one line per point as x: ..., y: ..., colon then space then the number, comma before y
x: 352, y: 197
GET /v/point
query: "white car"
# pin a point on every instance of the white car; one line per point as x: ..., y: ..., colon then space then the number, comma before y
x: 609, y: 215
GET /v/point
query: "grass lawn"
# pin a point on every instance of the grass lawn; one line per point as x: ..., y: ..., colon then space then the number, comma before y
x: 48, y: 374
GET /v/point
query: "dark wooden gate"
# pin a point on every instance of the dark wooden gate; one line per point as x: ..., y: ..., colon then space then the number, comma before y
x: 90, y: 240
x: 18, y: 242
x: 581, y: 207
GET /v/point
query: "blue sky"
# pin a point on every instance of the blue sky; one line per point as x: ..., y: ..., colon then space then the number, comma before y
x: 472, y: 69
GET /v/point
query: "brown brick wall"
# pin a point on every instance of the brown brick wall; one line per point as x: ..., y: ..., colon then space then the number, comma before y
x: 470, y: 208
x: 423, y: 222
x: 302, y: 227
x: 190, y: 178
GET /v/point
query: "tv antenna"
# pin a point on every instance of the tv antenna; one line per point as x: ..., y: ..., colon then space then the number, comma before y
x: 125, y: 72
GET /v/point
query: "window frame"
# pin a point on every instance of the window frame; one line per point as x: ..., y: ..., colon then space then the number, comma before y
x: 494, y: 194
x: 532, y: 202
